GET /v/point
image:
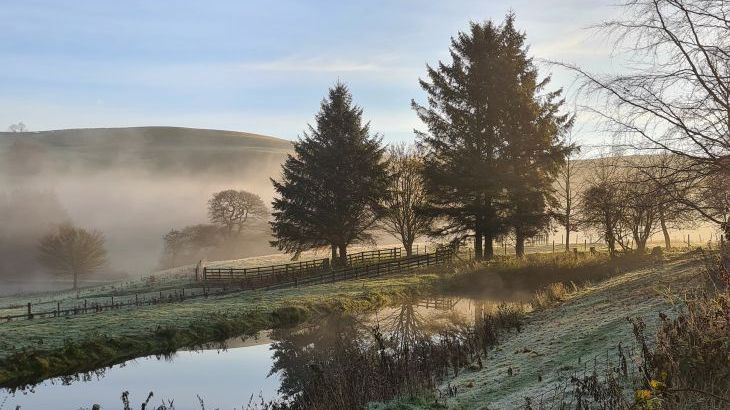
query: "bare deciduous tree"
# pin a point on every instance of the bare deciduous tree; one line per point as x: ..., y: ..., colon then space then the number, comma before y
x: 600, y: 204
x: 639, y: 210
x: 232, y: 209
x: 18, y: 127
x: 567, y: 195
x: 72, y: 250
x: 175, y: 243
x: 402, y: 218
x: 667, y: 190
x: 675, y: 97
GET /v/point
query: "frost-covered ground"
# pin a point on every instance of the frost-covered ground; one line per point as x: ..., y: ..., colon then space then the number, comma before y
x: 557, y: 342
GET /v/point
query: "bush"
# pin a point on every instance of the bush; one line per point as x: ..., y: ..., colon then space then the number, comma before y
x: 687, y: 368
x: 550, y: 295
x: 657, y: 252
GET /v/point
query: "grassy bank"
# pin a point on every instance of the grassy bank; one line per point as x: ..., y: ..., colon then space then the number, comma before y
x: 566, y: 339
x: 36, y: 349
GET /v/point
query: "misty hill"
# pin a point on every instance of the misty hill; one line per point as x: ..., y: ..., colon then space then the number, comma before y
x: 132, y: 184
x: 158, y: 149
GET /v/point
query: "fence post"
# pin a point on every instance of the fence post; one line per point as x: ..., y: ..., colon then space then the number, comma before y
x: 30, y: 315
x: 136, y: 300
x: 58, y: 309
x: 84, y: 305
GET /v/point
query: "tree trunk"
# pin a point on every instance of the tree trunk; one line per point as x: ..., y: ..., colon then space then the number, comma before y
x: 567, y: 237
x: 488, y: 246
x: 409, y: 248
x: 611, y: 242
x: 343, y: 255
x: 478, y: 252
x: 519, y: 244
x: 334, y: 255
x: 665, y: 231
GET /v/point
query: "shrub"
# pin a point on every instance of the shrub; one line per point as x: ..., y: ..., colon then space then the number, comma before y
x: 550, y: 295
x: 657, y: 252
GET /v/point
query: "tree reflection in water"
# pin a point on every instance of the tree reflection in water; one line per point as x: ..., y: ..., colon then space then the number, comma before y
x: 344, y: 362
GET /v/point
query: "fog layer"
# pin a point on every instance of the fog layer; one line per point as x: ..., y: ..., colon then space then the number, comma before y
x: 132, y: 184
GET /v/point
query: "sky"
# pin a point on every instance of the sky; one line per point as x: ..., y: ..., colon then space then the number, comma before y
x: 255, y: 66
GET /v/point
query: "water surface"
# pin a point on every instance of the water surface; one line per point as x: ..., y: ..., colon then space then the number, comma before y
x: 227, y: 378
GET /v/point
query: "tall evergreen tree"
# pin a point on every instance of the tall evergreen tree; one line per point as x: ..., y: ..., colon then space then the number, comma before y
x: 332, y: 186
x: 491, y: 145
x: 462, y: 147
x: 533, y: 128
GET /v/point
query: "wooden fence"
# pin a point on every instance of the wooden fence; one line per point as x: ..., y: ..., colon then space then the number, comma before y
x: 113, y: 303
x: 221, y: 287
x: 387, y: 267
x: 265, y: 273
x: 377, y: 255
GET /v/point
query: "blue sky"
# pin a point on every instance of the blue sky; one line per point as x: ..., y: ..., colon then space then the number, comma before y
x: 257, y: 66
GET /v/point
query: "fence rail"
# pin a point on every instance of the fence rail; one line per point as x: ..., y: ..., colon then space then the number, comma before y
x: 361, y: 258
x: 271, y: 281
x: 262, y: 273
x: 403, y: 265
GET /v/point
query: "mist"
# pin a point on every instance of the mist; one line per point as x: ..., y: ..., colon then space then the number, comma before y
x: 128, y: 192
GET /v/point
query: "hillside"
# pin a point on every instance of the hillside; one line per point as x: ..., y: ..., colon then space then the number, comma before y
x: 132, y: 184
x: 158, y: 149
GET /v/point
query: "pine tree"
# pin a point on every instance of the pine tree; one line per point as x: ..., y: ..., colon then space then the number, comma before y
x: 462, y: 146
x: 533, y: 127
x: 492, y: 148
x: 332, y: 186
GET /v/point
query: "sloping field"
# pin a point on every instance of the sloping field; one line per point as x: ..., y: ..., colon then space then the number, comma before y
x: 557, y: 342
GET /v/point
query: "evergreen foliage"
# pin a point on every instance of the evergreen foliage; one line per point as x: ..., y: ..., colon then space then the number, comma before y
x: 493, y: 149
x: 332, y: 187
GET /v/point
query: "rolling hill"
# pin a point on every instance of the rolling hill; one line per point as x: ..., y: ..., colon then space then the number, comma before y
x: 157, y: 149
x: 132, y: 184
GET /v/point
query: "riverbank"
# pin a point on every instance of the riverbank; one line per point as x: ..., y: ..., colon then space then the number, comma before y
x: 564, y: 340
x: 33, y: 350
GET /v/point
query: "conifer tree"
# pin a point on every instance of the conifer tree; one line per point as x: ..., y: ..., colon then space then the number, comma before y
x: 533, y: 152
x: 491, y: 149
x: 331, y: 188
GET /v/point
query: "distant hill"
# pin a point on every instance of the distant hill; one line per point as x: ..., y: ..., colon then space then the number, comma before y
x: 133, y: 184
x: 157, y: 149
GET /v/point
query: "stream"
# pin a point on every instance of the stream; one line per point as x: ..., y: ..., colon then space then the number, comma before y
x: 272, y: 366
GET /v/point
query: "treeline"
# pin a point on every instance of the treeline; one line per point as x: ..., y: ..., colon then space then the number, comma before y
x: 495, y: 161
x: 628, y: 200
x: 483, y: 169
